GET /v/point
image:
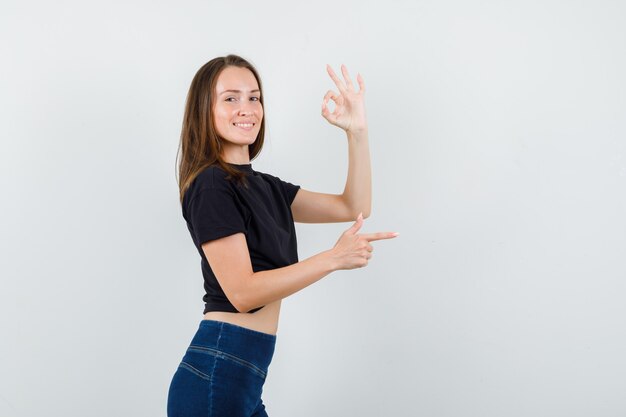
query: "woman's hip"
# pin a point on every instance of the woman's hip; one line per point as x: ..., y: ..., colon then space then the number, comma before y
x: 222, y: 372
x: 241, y: 345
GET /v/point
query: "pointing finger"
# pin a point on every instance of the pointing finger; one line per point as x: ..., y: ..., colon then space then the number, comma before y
x: 378, y: 236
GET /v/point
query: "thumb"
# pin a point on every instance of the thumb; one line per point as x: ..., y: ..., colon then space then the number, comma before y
x: 357, y: 224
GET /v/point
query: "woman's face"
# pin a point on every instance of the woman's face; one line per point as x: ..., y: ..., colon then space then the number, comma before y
x: 237, y: 109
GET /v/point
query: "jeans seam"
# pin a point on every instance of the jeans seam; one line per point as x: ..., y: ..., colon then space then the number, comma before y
x: 225, y: 355
x: 210, y: 410
x: 195, y: 371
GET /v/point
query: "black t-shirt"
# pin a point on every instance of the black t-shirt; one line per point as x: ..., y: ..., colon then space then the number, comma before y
x: 215, y: 207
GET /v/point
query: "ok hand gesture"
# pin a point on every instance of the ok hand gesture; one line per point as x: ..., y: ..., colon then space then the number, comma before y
x: 349, y: 113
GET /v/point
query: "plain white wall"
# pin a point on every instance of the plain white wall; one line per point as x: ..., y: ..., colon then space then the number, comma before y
x: 497, y: 141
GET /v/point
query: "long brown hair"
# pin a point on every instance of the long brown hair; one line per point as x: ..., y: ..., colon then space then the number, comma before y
x: 200, y: 144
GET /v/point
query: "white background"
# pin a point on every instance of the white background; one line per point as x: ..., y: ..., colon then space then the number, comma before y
x: 497, y: 136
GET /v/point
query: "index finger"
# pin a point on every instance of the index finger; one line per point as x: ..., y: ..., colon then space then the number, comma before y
x: 377, y: 236
x: 336, y: 79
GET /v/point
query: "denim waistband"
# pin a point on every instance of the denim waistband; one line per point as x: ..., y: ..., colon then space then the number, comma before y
x: 250, y: 345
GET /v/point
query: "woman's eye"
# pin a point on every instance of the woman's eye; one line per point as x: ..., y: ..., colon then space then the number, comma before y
x: 251, y: 98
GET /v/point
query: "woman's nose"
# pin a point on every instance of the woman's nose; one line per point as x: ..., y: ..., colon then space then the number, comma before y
x: 246, y: 108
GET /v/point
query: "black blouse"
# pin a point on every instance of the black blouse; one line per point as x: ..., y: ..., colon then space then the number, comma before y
x: 214, y: 207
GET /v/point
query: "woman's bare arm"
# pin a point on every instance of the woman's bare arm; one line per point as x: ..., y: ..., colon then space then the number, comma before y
x: 230, y: 261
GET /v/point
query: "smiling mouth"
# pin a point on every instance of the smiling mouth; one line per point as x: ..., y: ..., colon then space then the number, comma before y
x: 244, y: 126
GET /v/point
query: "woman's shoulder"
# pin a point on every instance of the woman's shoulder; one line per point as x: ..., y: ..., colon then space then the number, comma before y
x: 212, y: 176
x: 267, y: 175
x: 209, y: 178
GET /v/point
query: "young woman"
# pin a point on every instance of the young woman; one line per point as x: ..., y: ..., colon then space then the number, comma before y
x: 242, y: 223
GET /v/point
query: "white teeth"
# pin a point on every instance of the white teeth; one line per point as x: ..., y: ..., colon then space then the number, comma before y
x: 244, y: 124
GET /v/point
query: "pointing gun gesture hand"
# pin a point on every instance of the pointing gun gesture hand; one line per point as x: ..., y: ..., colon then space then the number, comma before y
x: 353, y: 250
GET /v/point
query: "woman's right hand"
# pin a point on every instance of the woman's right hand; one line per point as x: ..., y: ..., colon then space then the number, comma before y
x: 353, y: 250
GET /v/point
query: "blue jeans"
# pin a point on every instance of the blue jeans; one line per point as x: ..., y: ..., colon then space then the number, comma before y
x: 222, y: 372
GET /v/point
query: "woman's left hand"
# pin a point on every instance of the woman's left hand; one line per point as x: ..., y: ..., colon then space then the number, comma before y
x: 349, y: 113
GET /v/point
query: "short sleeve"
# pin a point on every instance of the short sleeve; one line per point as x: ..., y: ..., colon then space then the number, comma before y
x: 215, y: 213
x: 290, y: 190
